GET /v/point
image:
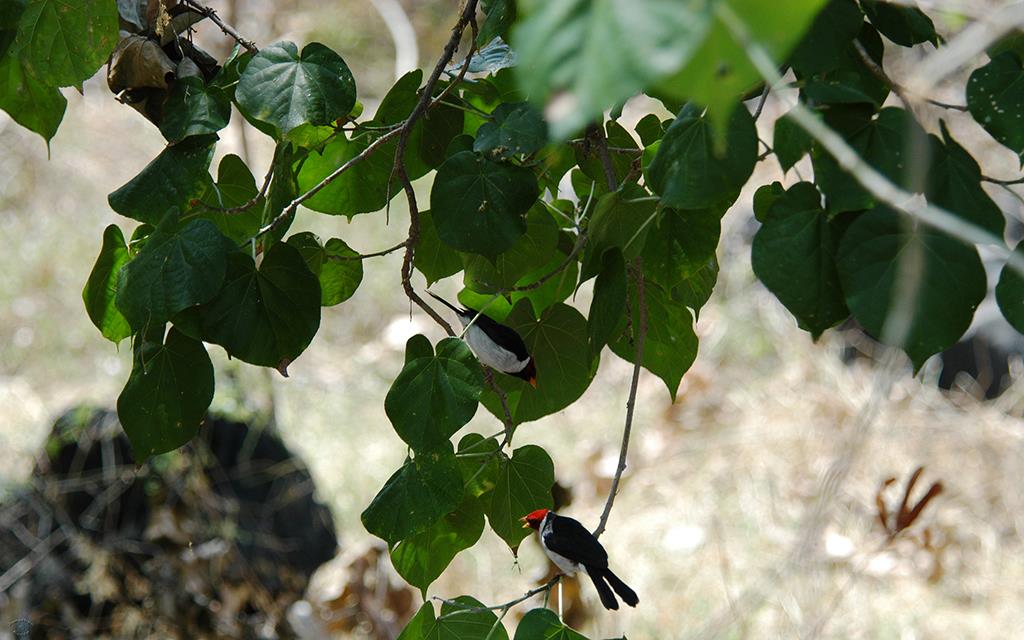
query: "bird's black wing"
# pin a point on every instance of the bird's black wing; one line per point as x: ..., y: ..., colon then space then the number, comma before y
x: 506, y: 337
x: 567, y: 537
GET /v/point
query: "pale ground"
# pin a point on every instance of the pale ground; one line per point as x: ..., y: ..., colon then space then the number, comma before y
x: 712, y: 523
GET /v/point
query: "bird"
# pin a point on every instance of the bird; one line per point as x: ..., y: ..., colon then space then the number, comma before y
x: 495, y: 345
x: 571, y: 547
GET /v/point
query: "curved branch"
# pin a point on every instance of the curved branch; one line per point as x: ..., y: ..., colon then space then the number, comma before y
x: 228, y: 30
x: 505, y: 606
x: 364, y: 256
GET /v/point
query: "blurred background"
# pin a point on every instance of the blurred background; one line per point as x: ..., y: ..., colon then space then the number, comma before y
x: 749, y: 507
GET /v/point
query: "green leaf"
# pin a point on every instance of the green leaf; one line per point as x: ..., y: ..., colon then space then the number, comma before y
x: 591, y: 164
x: 64, y: 43
x: 689, y: 172
x: 235, y: 187
x: 824, y: 46
x: 899, y: 279
x: 696, y: 289
x: 194, y: 108
x: 167, y: 394
x: 434, y: 259
x: 765, y: 197
x: 285, y: 89
x: 335, y: 264
x: 887, y: 142
x: 790, y: 142
x: 719, y: 72
x: 30, y: 103
x: 361, y: 189
x: 265, y: 317
x: 416, y: 496
x: 523, y: 485
x: 418, y: 346
x: 558, y: 343
x: 10, y: 14
x: 1010, y: 294
x: 175, y: 177
x: 794, y: 255
x: 670, y: 344
x: 517, y: 129
x: 478, y: 460
x: 608, y: 305
x: 954, y: 183
x: 850, y: 80
x: 454, y: 623
x: 509, y: 268
x: 650, y: 129
x: 429, y: 138
x: 591, y: 55
x: 621, y: 220
x: 434, y: 397
x: 681, y: 243
x: 479, y: 204
x: 177, y: 269
x: 501, y: 14
x: 995, y: 98
x: 905, y: 26
x: 423, y: 557
x: 543, y: 624
x: 101, y: 289
x: 556, y: 288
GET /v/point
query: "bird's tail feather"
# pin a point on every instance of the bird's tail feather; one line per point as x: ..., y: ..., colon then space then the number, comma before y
x: 628, y: 595
x: 603, y: 590
x: 446, y: 303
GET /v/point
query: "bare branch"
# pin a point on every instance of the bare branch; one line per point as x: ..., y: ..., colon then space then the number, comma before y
x: 505, y: 606
x: 364, y: 256
x: 225, y: 27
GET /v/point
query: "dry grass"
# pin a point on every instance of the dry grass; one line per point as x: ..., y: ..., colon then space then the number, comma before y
x: 716, y: 500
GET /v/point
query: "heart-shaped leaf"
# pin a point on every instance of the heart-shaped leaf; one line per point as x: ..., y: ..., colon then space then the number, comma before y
x: 193, y: 108
x: 29, y: 102
x: 64, y: 43
x: 523, y: 485
x: 101, y: 289
x: 335, y: 264
x: 995, y: 98
x: 420, y: 559
x: 455, y: 623
x: 543, y: 624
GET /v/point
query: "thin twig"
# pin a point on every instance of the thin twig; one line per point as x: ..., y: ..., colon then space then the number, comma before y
x: 249, y: 204
x: 640, y: 334
x: 463, y: 609
x: 1002, y: 182
x: 581, y: 240
x: 364, y: 256
x: 596, y: 135
x: 225, y: 27
x: 761, y: 102
x: 901, y: 92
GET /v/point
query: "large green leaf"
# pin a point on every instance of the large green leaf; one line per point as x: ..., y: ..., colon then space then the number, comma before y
x: 10, y: 15
x: 680, y: 244
x: 423, y: 557
x: 609, y: 302
x: 558, y: 343
x: 1010, y: 294
x: 903, y: 25
x: 459, y: 620
x: 361, y: 189
x: 500, y: 16
x: 824, y: 46
x: 890, y: 142
x: 479, y: 204
x: 64, y: 43
x: 30, y: 103
x: 902, y: 279
x: 995, y: 98
x: 790, y: 142
x: 193, y: 108
x: 416, y: 496
x: 177, y: 268
x: 954, y: 183
x: 592, y: 54
x: 719, y: 72
x: 235, y: 187
x: 335, y: 264
x: 794, y: 255
x: 670, y: 344
x: 543, y: 624
x: 508, y: 268
x: 621, y: 220
x: 517, y: 129
x: 175, y: 177
x: 285, y: 89
x: 433, y: 258
x: 101, y: 289
x: 523, y: 485
x: 429, y: 138
x: 167, y: 394
x: 478, y: 460
x: 434, y: 397
x: 690, y: 171
x: 267, y: 316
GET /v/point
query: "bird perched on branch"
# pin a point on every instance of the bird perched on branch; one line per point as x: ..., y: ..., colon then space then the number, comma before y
x: 571, y: 547
x: 495, y: 345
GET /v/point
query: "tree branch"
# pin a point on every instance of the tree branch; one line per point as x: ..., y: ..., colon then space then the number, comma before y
x: 228, y: 30
x: 364, y: 256
x: 505, y: 606
x: 641, y: 334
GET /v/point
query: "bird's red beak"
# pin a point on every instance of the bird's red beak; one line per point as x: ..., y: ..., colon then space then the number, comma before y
x: 533, y: 382
x: 526, y: 523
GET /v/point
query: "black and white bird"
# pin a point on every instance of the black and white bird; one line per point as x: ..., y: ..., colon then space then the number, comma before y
x: 495, y: 345
x: 571, y: 547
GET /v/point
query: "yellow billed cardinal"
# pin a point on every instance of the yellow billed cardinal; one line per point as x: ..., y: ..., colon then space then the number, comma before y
x: 495, y: 345
x: 570, y: 546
